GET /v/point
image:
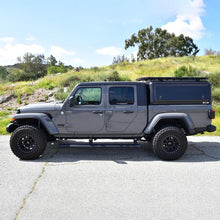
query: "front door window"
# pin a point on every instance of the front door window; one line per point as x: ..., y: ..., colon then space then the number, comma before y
x: 88, y: 96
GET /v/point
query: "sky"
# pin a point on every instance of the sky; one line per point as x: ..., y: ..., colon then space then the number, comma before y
x: 90, y: 33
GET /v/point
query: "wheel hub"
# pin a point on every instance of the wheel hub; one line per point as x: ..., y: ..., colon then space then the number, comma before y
x: 171, y: 144
x: 27, y: 143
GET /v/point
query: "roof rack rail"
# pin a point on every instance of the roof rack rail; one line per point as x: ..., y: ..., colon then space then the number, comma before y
x: 172, y: 78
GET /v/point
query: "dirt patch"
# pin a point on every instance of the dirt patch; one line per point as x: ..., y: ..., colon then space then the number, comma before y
x: 39, y: 95
x: 5, y: 98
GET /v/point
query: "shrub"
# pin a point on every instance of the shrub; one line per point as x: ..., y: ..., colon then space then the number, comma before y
x: 95, y: 69
x: 19, y: 75
x: 68, y: 80
x: 71, y: 86
x: 216, y: 95
x: 19, y: 99
x: 3, y: 73
x: 60, y: 95
x: 185, y: 71
x: 114, y: 76
x: 56, y: 69
x: 102, y: 76
x: 216, y: 107
x: 46, y: 83
x: 87, y: 78
x: 214, y: 79
x: 125, y: 78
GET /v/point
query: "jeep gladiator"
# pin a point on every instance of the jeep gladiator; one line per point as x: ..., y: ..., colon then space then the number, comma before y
x: 160, y: 110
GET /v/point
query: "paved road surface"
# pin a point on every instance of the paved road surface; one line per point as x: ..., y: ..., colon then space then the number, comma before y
x: 111, y: 182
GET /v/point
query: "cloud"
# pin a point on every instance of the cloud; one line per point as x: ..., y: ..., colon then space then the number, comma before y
x: 109, y: 51
x: 30, y: 38
x: 62, y: 54
x: 188, y: 20
x: 7, y: 39
x: 9, y: 52
x: 59, y: 52
x: 78, y: 60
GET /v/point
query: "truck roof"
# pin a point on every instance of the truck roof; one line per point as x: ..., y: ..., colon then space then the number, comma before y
x: 111, y: 83
x: 147, y: 80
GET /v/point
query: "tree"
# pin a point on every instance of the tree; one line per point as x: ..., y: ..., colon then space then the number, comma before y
x: 3, y: 73
x: 34, y: 65
x: 161, y: 43
x: 60, y: 63
x: 51, y: 61
x: 120, y: 59
x: 211, y: 52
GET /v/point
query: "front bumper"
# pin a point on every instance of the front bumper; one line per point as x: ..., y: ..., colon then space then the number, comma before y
x: 11, y: 127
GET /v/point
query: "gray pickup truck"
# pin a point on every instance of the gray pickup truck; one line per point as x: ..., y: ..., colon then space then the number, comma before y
x: 160, y: 110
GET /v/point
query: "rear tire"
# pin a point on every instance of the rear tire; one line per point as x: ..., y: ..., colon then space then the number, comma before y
x: 169, y: 143
x: 28, y: 142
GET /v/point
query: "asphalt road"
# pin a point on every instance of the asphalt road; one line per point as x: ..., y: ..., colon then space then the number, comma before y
x: 111, y: 182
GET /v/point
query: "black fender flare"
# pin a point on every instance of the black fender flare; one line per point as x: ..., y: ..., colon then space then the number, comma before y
x: 179, y: 116
x: 43, y: 118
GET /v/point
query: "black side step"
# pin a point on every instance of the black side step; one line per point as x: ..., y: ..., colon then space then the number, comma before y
x: 71, y: 143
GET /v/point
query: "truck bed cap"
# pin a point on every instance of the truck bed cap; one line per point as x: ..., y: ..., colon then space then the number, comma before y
x: 172, y: 79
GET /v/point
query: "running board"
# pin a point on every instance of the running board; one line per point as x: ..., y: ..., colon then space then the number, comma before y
x: 97, y: 144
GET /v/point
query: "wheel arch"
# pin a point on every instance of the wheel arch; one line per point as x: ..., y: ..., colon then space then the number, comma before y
x: 40, y: 120
x: 180, y: 120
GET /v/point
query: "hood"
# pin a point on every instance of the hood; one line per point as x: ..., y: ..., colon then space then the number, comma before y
x: 40, y: 107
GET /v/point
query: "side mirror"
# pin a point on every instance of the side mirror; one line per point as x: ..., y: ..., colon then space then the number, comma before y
x: 71, y: 101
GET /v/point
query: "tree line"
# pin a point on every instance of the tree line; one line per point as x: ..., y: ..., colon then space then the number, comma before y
x: 32, y: 67
x: 211, y: 52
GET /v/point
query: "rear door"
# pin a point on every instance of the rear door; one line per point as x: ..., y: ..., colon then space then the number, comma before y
x: 121, y: 109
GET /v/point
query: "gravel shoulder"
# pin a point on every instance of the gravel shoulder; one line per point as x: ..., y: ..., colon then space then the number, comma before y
x: 111, y: 182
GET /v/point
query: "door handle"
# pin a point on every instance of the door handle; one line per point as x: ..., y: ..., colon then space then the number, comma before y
x: 97, y: 112
x: 127, y: 111
x: 67, y: 112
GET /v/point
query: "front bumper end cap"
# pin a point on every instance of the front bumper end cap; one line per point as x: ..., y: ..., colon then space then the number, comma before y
x: 10, y: 127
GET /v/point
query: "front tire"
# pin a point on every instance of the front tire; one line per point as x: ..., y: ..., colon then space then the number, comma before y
x: 28, y: 142
x: 169, y: 143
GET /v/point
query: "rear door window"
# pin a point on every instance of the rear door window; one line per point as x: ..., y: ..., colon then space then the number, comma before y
x: 121, y: 95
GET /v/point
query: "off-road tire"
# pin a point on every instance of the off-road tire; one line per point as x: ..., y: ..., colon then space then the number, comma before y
x: 169, y: 143
x: 28, y: 142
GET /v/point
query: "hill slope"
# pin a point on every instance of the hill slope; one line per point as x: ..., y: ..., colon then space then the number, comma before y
x: 59, y: 85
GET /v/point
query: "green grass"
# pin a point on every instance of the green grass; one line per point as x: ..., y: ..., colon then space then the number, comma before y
x: 127, y: 71
x: 124, y: 71
x: 216, y: 122
x: 3, y: 114
x: 4, y: 121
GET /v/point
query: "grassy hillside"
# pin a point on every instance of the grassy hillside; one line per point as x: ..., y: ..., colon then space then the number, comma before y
x: 23, y: 92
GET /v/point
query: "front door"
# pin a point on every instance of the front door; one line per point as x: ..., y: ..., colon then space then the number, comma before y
x: 86, y: 116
